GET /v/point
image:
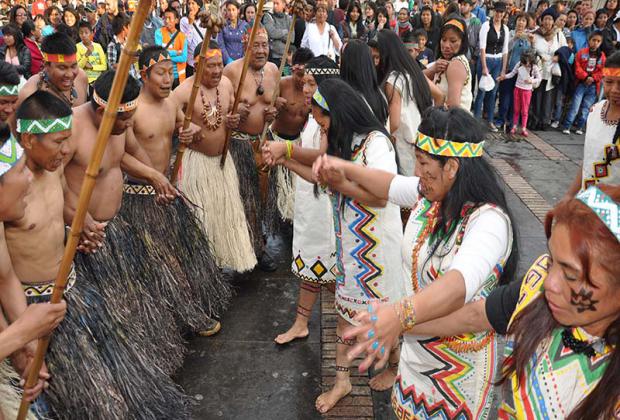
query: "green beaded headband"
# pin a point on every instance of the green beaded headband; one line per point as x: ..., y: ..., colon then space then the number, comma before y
x: 605, y: 208
x: 320, y: 100
x: 10, y: 153
x: 9, y: 90
x: 44, y: 126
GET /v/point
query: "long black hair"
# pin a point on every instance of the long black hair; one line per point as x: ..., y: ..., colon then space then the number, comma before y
x: 476, y: 182
x: 457, y: 28
x: 358, y: 70
x: 348, y: 115
x: 394, y: 57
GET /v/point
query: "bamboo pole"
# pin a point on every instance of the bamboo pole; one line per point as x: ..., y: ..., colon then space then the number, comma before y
x: 105, y: 129
x: 244, y: 72
x: 276, y: 91
x: 214, y: 24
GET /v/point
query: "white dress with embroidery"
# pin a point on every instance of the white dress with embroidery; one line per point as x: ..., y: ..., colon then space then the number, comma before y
x: 314, y: 248
x: 601, y: 157
x: 367, y: 238
x: 452, y: 377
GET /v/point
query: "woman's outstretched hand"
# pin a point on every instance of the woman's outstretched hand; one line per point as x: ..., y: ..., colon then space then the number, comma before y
x: 377, y: 334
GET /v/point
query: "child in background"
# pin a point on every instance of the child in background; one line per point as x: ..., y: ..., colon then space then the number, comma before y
x: 425, y: 55
x: 528, y: 78
x: 589, y: 63
x: 411, y: 43
x: 90, y: 55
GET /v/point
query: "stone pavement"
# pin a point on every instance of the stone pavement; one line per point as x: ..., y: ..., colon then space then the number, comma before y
x: 242, y: 374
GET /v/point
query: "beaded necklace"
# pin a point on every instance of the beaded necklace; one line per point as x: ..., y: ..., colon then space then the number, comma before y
x: 211, y: 116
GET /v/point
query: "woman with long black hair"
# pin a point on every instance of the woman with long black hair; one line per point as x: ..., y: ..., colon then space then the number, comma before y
x: 14, y: 51
x: 459, y: 244
x: 407, y: 90
x: 352, y: 27
x: 358, y: 70
x: 368, y: 231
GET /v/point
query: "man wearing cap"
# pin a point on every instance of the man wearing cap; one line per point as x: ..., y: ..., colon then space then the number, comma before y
x: 91, y: 14
x: 61, y: 74
x: 256, y: 94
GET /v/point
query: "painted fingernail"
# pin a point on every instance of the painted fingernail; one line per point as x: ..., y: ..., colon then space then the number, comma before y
x: 370, y: 308
x: 373, y: 318
x: 375, y: 345
x: 382, y: 350
x: 371, y: 334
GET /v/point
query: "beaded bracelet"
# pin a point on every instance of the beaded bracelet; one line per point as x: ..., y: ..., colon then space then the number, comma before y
x: 406, y: 314
x: 289, y: 150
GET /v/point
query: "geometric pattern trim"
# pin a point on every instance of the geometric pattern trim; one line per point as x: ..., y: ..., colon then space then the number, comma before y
x: 126, y: 107
x: 44, y: 126
x: 36, y: 290
x: 441, y: 147
x: 162, y: 57
x: 9, y: 90
x: 10, y: 153
x: 601, y: 169
x: 137, y: 189
x: 605, y: 208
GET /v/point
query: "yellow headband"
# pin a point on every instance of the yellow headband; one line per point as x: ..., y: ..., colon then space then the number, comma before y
x: 456, y: 23
x: 448, y: 148
x: 126, y: 107
x: 611, y: 71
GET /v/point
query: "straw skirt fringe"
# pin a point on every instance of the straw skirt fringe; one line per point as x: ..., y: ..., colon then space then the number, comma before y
x: 10, y: 397
x: 215, y: 192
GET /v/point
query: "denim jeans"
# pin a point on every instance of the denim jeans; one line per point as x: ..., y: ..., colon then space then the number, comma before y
x: 505, y: 107
x: 494, y: 65
x: 558, y: 109
x: 583, y: 99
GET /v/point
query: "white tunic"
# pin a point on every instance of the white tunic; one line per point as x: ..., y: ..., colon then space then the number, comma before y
x: 367, y: 238
x: 601, y: 157
x: 451, y: 377
x: 314, y: 248
x: 409, y: 113
x: 466, y: 95
x: 320, y: 44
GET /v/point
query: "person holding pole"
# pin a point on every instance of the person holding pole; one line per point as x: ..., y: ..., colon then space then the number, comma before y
x: 172, y: 235
x: 256, y: 94
x: 215, y: 191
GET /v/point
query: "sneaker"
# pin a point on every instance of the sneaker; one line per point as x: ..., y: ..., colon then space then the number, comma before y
x: 493, y: 128
x: 566, y: 131
x: 213, y: 327
x: 579, y: 131
x: 555, y: 124
x: 513, y: 131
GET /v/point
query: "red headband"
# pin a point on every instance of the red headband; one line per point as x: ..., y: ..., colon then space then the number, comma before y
x: 58, y: 58
x: 611, y: 71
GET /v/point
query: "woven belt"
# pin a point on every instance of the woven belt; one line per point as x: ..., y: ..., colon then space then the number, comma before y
x: 139, y: 189
x: 239, y: 135
x: 46, y: 289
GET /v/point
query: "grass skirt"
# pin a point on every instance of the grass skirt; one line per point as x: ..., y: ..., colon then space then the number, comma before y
x: 285, y: 182
x: 215, y: 192
x: 123, y: 274
x: 10, y: 396
x: 258, y: 190
x: 178, y: 246
x: 97, y: 371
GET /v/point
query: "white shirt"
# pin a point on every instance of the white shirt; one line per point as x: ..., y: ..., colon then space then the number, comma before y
x: 409, y: 114
x: 523, y: 74
x: 321, y: 44
x: 193, y: 37
x: 484, y: 32
x: 599, y: 135
x: 546, y: 50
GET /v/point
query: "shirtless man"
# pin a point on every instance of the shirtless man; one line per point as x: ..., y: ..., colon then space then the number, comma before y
x: 215, y: 191
x: 120, y: 268
x: 61, y: 74
x: 19, y: 339
x: 199, y: 292
x: 292, y: 116
x: 256, y: 95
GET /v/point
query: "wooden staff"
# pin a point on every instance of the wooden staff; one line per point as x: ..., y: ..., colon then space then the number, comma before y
x: 105, y: 129
x: 213, y: 24
x: 297, y: 6
x: 244, y: 72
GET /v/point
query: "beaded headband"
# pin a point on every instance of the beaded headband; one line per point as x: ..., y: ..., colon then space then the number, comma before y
x: 9, y: 90
x: 411, y: 45
x: 441, y: 147
x: 44, y: 126
x: 58, y: 58
x: 611, y: 71
x: 159, y: 59
x: 320, y: 100
x: 456, y: 23
x: 605, y: 208
x: 126, y: 107
x: 10, y: 153
x: 322, y: 71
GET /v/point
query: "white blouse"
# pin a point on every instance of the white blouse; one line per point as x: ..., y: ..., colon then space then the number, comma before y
x: 321, y: 44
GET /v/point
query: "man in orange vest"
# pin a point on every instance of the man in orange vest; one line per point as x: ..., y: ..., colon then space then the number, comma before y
x: 175, y: 42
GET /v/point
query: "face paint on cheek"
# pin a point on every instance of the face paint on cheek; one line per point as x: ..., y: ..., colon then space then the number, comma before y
x: 582, y: 300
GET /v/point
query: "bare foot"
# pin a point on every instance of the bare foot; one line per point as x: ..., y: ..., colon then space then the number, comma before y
x: 327, y: 400
x: 298, y: 330
x: 384, y: 380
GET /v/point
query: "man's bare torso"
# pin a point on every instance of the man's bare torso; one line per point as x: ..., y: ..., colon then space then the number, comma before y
x: 291, y: 119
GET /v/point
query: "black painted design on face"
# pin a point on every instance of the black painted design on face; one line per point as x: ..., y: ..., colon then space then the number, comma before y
x: 583, y: 300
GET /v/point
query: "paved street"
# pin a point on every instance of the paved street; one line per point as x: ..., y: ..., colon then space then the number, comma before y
x: 242, y: 374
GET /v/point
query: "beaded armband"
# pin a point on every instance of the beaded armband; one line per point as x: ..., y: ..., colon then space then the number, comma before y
x: 406, y: 314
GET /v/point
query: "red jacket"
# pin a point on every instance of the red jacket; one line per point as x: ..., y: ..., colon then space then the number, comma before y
x: 585, y: 69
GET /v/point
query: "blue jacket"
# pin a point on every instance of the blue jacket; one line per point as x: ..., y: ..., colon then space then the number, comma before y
x: 580, y: 37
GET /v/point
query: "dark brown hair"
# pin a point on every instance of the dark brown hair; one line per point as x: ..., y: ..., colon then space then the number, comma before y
x: 593, y: 243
